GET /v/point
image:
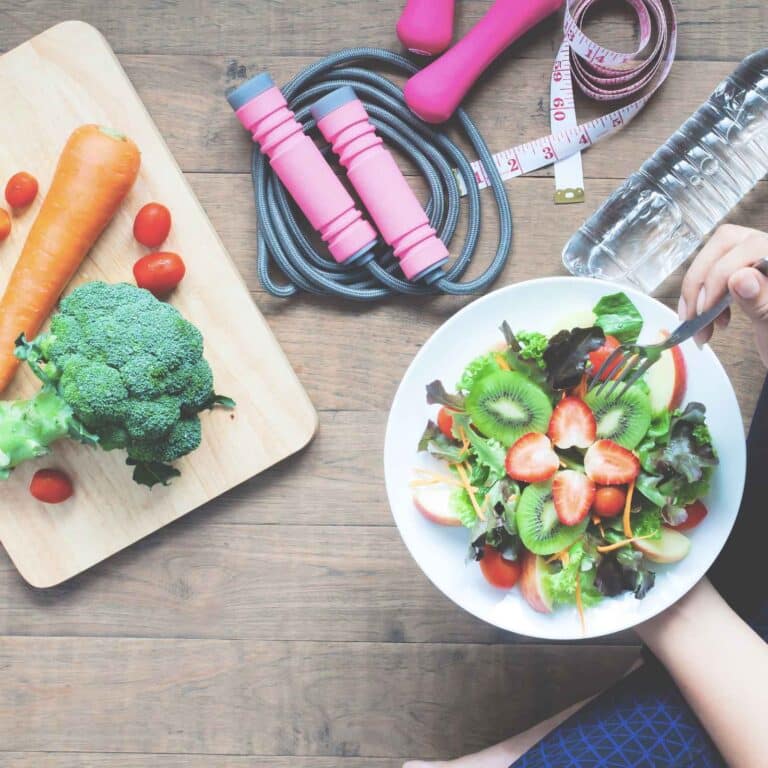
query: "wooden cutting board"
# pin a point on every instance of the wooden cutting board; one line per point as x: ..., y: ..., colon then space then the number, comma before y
x: 63, y: 78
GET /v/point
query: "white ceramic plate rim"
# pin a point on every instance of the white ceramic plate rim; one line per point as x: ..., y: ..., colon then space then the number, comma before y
x: 428, y: 542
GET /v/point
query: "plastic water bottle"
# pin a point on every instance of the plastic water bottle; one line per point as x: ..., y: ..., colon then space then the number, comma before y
x: 658, y: 217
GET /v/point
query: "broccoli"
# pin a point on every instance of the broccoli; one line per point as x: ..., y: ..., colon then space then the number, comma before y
x: 121, y: 370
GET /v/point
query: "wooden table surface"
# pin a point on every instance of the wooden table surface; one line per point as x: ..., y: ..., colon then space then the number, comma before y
x: 285, y: 624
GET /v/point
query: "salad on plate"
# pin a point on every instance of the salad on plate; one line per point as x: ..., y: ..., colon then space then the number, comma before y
x: 573, y: 495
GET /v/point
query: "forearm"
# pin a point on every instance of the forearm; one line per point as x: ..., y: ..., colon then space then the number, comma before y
x: 721, y: 666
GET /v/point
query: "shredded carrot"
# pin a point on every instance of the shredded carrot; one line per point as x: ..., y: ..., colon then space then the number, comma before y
x: 596, y: 519
x: 627, y: 510
x: 427, y: 476
x: 619, y: 544
x: 579, y: 604
x: 562, y: 556
x: 503, y: 364
x: 464, y: 440
x: 469, y: 489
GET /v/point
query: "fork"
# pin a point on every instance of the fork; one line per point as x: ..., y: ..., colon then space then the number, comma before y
x: 633, y: 360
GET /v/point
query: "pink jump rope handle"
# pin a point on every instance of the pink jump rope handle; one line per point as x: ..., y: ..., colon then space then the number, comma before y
x: 374, y: 174
x: 435, y: 92
x: 263, y: 111
x: 426, y: 26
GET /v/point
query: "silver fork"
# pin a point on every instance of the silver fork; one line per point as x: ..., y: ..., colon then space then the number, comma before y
x: 632, y: 361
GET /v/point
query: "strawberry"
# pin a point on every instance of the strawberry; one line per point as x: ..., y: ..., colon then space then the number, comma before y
x: 573, y: 494
x: 532, y: 459
x: 572, y: 424
x: 609, y: 464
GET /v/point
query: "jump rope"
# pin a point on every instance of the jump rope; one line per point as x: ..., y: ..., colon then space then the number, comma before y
x: 356, y: 110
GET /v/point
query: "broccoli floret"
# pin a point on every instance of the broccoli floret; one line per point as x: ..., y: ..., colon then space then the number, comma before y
x: 119, y: 367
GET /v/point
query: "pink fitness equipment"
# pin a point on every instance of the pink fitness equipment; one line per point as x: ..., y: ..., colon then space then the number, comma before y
x: 426, y: 26
x: 263, y: 111
x: 436, y: 91
x: 373, y: 172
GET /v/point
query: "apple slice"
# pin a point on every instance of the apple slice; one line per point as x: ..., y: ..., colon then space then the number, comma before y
x: 667, y: 379
x: 669, y: 548
x: 434, y: 502
x: 530, y: 582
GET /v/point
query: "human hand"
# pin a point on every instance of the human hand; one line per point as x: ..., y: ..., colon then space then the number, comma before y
x: 725, y: 264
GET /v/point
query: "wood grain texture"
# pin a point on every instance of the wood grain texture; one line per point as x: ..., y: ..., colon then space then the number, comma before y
x: 301, y: 647
x: 238, y: 697
x: 49, y: 91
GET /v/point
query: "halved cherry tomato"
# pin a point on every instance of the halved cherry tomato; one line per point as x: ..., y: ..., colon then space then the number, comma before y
x: 498, y: 571
x: 51, y: 486
x: 445, y: 423
x: 696, y: 513
x: 601, y: 354
x: 159, y: 272
x: 609, y: 500
x: 152, y: 225
x: 21, y: 190
x: 5, y: 224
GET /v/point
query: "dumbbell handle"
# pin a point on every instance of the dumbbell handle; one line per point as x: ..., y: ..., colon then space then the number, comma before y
x: 426, y: 26
x: 436, y: 91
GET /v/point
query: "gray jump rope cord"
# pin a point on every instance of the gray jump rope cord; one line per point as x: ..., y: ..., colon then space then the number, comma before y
x: 281, y: 240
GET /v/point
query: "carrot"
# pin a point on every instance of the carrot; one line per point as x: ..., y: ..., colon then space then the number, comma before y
x: 96, y: 170
x: 627, y: 509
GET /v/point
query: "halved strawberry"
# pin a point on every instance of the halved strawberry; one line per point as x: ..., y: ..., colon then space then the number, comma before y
x: 572, y: 424
x: 532, y: 459
x: 573, y: 493
x: 607, y: 463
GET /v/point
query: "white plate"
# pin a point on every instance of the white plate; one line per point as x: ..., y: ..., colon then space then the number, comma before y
x: 540, y: 305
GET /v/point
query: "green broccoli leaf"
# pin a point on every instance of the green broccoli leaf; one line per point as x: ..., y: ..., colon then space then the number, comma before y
x: 619, y: 317
x: 532, y: 346
x: 152, y: 473
x: 461, y: 506
x: 223, y: 401
x: 476, y: 369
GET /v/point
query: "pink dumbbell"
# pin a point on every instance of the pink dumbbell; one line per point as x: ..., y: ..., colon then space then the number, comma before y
x: 263, y: 111
x: 426, y: 26
x: 374, y: 174
x: 435, y: 92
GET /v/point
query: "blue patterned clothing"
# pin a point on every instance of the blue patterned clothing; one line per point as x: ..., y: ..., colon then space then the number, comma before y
x: 643, y: 721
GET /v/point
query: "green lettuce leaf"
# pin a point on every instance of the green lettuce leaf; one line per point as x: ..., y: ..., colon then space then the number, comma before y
x: 476, y: 369
x: 560, y: 583
x: 532, y: 346
x: 619, y: 317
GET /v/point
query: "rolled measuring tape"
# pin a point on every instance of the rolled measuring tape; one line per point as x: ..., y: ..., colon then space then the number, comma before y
x: 601, y: 74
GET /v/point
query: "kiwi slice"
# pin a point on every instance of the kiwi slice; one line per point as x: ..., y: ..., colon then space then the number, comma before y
x: 623, y: 416
x: 505, y: 405
x: 537, y: 523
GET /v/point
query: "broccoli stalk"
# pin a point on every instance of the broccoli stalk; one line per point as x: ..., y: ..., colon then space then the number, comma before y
x: 120, y: 369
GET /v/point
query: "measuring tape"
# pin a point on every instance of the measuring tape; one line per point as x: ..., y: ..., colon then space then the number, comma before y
x: 601, y: 74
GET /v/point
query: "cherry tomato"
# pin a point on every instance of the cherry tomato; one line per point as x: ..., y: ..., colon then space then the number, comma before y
x: 601, y: 354
x: 159, y: 272
x: 5, y: 224
x: 609, y: 500
x: 152, y: 224
x: 498, y: 571
x: 696, y: 513
x: 21, y: 190
x: 445, y: 423
x: 51, y: 486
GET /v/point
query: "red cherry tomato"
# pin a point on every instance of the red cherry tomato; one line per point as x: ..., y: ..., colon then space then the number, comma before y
x: 159, y: 272
x: 5, y: 224
x: 696, y: 513
x: 601, y: 354
x: 21, y: 190
x: 445, y: 423
x: 152, y: 225
x: 498, y: 571
x: 51, y: 486
x: 609, y: 500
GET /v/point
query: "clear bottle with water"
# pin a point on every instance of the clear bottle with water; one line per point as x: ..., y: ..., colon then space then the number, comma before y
x: 657, y: 218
